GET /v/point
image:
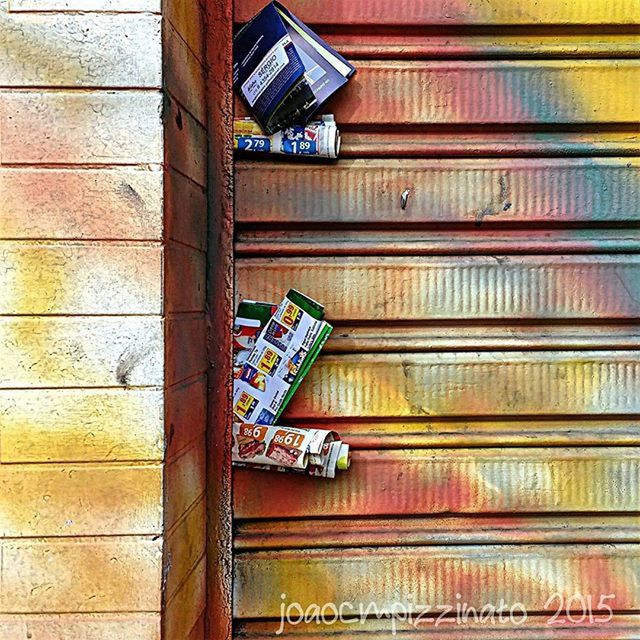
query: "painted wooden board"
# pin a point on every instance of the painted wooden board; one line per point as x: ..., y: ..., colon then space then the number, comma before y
x: 372, y: 532
x: 80, y: 499
x: 461, y: 12
x: 187, y: 18
x: 184, y: 278
x: 185, y: 415
x: 431, y: 481
x: 121, y: 6
x: 77, y: 575
x: 185, y: 546
x: 80, y: 50
x: 93, y: 127
x: 81, y: 425
x: 45, y: 351
x: 458, y: 287
x: 183, y: 611
x: 472, y: 191
x: 79, y: 204
x: 185, y: 356
x: 184, y: 483
x: 185, y: 210
x: 80, y: 278
x: 83, y: 626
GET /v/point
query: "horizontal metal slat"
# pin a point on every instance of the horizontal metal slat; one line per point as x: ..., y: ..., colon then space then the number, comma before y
x: 417, y: 338
x: 429, y: 242
x: 621, y: 627
x: 462, y: 12
x: 417, y: 143
x: 430, y: 481
x: 403, y: 43
x: 435, y: 575
x: 448, y: 288
x: 349, y: 532
x: 414, y: 432
x: 497, y: 92
x: 470, y: 384
x: 440, y: 191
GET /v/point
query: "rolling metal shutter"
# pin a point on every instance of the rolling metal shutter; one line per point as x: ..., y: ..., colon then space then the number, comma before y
x: 485, y: 361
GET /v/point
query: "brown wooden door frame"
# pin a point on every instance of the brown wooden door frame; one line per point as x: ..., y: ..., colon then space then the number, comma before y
x: 219, y: 14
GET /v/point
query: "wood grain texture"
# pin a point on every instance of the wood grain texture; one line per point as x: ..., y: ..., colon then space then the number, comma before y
x: 81, y: 425
x: 457, y: 287
x: 185, y: 547
x: 184, y: 610
x: 81, y: 352
x: 92, y: 127
x: 78, y: 575
x: 431, y: 481
x: 184, y: 74
x: 104, y: 204
x: 185, y: 411
x: 80, y: 50
x: 185, y: 210
x: 184, y: 278
x: 187, y: 18
x: 433, y: 575
x: 184, y: 482
x: 77, y: 278
x: 80, y: 500
x: 187, y: 140
x: 472, y: 191
x: 83, y: 626
x: 184, y: 353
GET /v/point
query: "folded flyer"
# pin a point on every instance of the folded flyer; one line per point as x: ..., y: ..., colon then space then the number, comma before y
x: 283, y: 70
x: 316, y: 452
x: 319, y: 138
x: 281, y: 354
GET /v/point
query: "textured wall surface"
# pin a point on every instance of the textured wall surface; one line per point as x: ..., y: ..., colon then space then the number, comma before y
x: 102, y: 238
x: 485, y: 360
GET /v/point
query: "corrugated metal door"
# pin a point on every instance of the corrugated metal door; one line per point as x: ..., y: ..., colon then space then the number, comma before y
x: 485, y: 362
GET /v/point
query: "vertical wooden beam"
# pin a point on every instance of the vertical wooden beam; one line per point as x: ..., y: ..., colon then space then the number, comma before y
x: 219, y: 16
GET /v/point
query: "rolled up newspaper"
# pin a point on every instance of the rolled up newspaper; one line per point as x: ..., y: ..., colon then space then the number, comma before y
x: 319, y: 138
x: 314, y: 451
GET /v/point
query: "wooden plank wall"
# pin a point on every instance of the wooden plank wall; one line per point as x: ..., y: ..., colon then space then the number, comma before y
x: 102, y: 333
x: 81, y: 326
x: 485, y: 360
x: 185, y: 347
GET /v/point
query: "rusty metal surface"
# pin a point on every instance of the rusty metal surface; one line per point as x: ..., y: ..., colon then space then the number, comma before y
x: 484, y: 362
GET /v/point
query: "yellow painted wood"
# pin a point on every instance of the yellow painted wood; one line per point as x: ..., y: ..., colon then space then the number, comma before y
x: 83, y: 626
x: 184, y: 482
x: 123, y: 6
x: 185, y: 546
x: 78, y: 575
x: 81, y: 425
x: 72, y: 352
x: 124, y: 203
x: 93, y: 127
x: 80, y: 50
x: 183, y: 610
x: 76, y: 278
x: 80, y: 499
